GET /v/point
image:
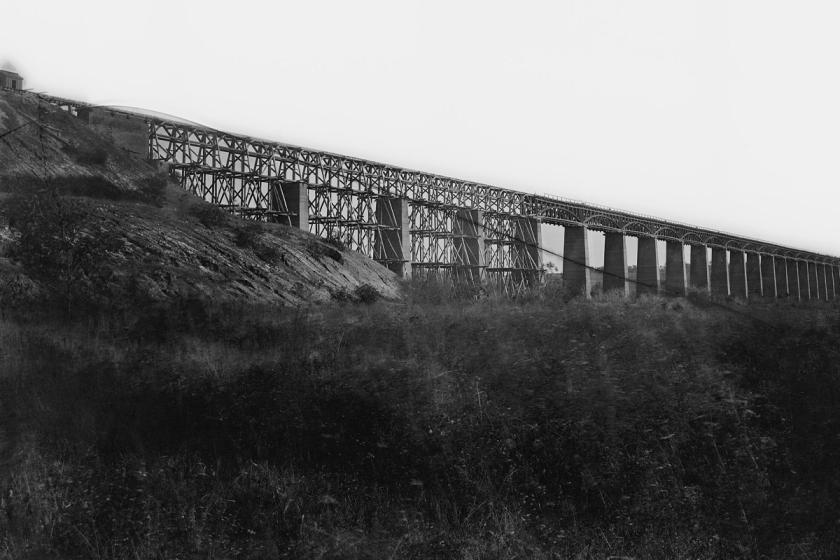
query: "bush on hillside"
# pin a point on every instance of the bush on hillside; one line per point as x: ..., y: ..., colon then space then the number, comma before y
x: 210, y: 215
x: 319, y: 248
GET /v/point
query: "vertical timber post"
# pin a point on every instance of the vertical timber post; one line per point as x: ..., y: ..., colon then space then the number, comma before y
x: 528, y: 251
x: 647, y: 267
x: 296, y: 195
x: 754, y: 284
x: 720, y: 272
x: 576, y: 274
x: 468, y: 244
x: 674, y: 269
x: 699, y: 268
x: 392, y: 244
x: 737, y: 274
x: 768, y: 276
x: 615, y: 263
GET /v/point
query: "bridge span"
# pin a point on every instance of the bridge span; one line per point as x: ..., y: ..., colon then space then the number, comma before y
x: 418, y: 223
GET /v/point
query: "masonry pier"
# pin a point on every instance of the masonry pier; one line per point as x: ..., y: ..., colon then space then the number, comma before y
x: 289, y: 204
x: 782, y: 280
x: 699, y: 268
x: 719, y: 273
x: 615, y: 263
x: 793, y: 279
x: 392, y: 244
x: 824, y: 282
x: 754, y: 284
x: 813, y: 284
x: 576, y: 274
x: 647, y: 267
x: 674, y: 268
x: 804, y: 284
x: 768, y: 277
x: 129, y: 132
x: 737, y: 274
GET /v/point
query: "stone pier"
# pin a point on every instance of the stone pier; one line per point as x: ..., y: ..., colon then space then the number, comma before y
x: 737, y: 274
x: 754, y: 275
x: 826, y: 290
x: 647, y: 267
x: 615, y: 263
x: 719, y: 273
x: 576, y: 274
x: 782, y: 280
x: 804, y: 284
x: 129, y: 132
x: 392, y: 244
x: 768, y: 277
x: 793, y: 279
x: 813, y: 282
x: 675, y: 269
x: 699, y: 268
x: 290, y: 201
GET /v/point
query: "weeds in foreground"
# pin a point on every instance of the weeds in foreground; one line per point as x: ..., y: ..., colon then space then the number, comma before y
x: 654, y: 429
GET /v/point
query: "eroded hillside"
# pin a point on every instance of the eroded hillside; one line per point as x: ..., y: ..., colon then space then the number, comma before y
x: 159, y: 242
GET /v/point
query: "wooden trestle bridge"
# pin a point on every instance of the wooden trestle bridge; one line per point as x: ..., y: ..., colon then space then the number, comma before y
x: 418, y: 223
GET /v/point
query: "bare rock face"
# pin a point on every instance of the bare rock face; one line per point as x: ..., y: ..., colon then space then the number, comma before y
x: 163, y: 243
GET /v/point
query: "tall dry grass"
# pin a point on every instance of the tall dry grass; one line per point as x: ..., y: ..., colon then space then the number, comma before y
x: 435, y: 428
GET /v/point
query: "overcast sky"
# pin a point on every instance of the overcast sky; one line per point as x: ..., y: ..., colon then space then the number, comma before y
x: 724, y: 114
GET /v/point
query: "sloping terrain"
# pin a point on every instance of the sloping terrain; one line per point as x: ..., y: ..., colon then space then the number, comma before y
x: 163, y: 243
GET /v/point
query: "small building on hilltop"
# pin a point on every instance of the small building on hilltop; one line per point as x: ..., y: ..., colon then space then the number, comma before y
x: 9, y: 78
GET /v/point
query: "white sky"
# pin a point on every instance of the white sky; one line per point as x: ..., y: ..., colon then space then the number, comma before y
x: 724, y: 114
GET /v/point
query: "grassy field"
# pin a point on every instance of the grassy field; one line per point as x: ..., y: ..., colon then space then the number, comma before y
x: 425, y: 429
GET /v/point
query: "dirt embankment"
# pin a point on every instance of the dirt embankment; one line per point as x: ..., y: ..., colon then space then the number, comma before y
x: 166, y: 243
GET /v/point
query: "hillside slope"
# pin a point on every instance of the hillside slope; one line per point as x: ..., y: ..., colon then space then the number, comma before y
x: 163, y: 243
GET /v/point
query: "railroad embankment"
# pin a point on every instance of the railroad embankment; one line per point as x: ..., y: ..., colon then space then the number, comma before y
x: 120, y: 230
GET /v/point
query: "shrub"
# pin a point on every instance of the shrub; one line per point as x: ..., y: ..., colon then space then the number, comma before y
x: 336, y: 242
x: 209, y: 215
x: 267, y: 253
x: 319, y: 249
x: 153, y: 189
x: 247, y: 234
x: 366, y: 294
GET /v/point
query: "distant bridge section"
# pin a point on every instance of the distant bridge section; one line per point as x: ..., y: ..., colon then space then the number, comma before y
x: 418, y: 223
